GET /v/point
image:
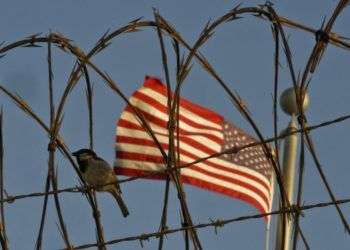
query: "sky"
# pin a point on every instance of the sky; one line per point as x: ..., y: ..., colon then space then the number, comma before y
x: 242, y: 54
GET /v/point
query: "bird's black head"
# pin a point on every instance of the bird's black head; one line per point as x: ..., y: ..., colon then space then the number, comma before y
x: 83, y: 157
x: 84, y: 152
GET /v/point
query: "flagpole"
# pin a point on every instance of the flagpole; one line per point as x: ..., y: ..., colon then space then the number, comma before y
x: 289, y: 106
x: 268, y: 224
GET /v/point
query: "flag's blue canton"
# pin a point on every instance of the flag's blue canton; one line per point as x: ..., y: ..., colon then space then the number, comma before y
x: 252, y: 157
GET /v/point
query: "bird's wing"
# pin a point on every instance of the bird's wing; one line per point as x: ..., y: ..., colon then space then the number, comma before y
x: 108, y: 173
x: 102, y: 164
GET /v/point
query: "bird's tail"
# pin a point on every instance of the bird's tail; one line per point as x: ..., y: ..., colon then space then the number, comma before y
x: 117, y: 196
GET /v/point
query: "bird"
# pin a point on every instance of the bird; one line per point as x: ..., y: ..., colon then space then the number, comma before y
x: 98, y: 173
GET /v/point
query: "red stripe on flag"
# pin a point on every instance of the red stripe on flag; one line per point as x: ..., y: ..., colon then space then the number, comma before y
x: 126, y: 124
x: 139, y: 157
x: 139, y: 173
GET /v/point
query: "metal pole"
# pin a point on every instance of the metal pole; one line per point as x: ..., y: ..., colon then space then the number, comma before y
x: 289, y: 105
x: 288, y: 175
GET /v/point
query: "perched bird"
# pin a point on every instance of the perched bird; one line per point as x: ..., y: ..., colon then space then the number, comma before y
x: 97, y: 172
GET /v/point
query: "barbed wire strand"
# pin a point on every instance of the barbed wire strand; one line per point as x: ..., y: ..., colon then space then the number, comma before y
x: 82, y: 60
x: 3, y: 236
x: 163, y: 223
x: 217, y: 223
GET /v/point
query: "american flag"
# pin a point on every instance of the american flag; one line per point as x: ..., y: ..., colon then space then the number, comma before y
x: 246, y: 175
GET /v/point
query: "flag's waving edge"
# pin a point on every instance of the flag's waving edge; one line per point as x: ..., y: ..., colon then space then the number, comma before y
x: 246, y: 175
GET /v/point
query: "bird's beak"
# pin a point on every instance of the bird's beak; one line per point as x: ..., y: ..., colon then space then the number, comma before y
x: 75, y: 153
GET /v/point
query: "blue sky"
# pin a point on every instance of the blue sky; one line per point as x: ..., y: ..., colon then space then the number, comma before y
x: 241, y: 52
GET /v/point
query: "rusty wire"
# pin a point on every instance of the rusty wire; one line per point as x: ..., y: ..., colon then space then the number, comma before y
x: 84, y: 65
